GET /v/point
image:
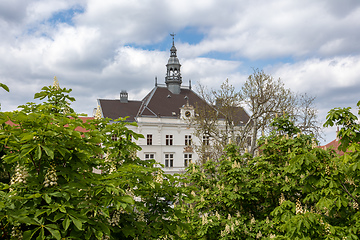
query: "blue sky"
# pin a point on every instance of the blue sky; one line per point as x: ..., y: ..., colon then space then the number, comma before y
x: 99, y: 48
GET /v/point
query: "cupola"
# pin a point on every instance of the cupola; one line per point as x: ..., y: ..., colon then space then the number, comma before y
x: 173, y: 77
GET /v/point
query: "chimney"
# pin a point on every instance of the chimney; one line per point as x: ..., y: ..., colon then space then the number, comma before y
x: 123, y: 96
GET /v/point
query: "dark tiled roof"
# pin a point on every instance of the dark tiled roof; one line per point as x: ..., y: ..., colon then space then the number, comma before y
x: 115, y: 109
x: 159, y: 102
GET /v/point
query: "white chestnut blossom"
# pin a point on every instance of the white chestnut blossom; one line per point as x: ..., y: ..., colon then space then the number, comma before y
x: 16, y: 233
x: 299, y: 209
x: 115, y: 219
x: 20, y: 176
x: 51, y: 177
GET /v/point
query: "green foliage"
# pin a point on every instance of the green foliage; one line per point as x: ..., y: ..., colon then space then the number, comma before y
x: 291, y: 190
x: 50, y: 191
x: 6, y: 88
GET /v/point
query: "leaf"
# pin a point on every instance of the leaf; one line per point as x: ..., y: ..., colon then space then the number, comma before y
x: 30, y: 233
x: 27, y: 150
x: 27, y: 137
x: 127, y: 199
x: 41, y: 235
x: 62, y: 209
x: 40, y: 95
x: 53, y: 232
x: 66, y: 223
x: 56, y: 194
x: 38, y: 152
x: 104, y: 228
x: 59, y: 216
x: 6, y: 88
x: 48, y: 152
x: 47, y: 198
x: 76, y: 222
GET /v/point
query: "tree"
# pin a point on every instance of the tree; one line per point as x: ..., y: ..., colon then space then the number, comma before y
x: 264, y: 98
x: 291, y: 190
x: 51, y: 192
x: 220, y: 118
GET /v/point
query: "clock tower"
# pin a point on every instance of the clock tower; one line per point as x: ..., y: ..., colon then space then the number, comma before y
x: 173, y: 77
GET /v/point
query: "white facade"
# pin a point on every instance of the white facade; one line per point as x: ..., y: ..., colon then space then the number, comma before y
x: 170, y: 141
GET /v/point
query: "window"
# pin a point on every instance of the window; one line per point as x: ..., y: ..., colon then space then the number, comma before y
x: 149, y: 139
x: 187, y: 140
x: 114, y: 137
x: 149, y: 156
x: 206, y: 140
x: 187, y: 159
x: 169, y: 160
x: 169, y: 139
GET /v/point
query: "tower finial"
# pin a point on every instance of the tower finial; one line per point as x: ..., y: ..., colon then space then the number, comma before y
x: 173, y: 37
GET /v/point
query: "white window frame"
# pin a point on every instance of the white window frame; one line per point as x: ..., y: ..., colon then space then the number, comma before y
x: 149, y: 139
x: 169, y: 140
x: 169, y: 160
x: 187, y: 159
x: 188, y: 140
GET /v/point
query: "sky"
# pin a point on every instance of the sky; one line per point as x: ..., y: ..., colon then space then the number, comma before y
x: 98, y: 48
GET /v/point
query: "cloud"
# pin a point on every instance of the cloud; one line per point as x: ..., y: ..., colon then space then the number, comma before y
x: 98, y: 48
x: 335, y: 82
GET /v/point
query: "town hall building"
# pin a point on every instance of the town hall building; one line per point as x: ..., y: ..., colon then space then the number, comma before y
x: 163, y: 118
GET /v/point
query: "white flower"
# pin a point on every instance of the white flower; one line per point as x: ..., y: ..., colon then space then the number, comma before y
x: 20, y: 176
x: 56, y: 85
x: 299, y: 209
x: 50, y: 177
x: 16, y: 233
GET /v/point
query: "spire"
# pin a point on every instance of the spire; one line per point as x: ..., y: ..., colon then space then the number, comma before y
x: 173, y: 77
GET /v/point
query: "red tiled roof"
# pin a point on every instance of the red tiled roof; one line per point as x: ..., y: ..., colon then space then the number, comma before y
x: 80, y: 129
x: 334, y: 145
x: 85, y: 119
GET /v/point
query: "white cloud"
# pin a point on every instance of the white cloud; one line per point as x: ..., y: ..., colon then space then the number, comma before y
x: 102, y: 50
x: 333, y: 73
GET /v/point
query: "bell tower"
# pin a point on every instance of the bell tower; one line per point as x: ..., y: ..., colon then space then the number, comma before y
x: 173, y: 77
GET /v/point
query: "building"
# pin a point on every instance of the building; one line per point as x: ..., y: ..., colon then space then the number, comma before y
x: 162, y: 117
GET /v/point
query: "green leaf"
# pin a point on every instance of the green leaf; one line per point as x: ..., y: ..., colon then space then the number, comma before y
x: 62, y: 209
x: 26, y: 151
x: 47, y: 198
x: 48, y: 152
x: 104, y: 228
x: 38, y: 152
x: 27, y: 137
x: 53, y: 232
x: 56, y: 194
x: 127, y: 199
x: 76, y: 222
x: 66, y: 223
x: 30, y: 233
x: 6, y: 88
x: 41, y: 235
x: 58, y: 216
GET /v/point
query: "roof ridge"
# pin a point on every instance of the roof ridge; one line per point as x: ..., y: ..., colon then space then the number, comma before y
x: 146, y: 101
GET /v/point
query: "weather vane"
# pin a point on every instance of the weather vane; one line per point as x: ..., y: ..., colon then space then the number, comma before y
x: 173, y: 36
